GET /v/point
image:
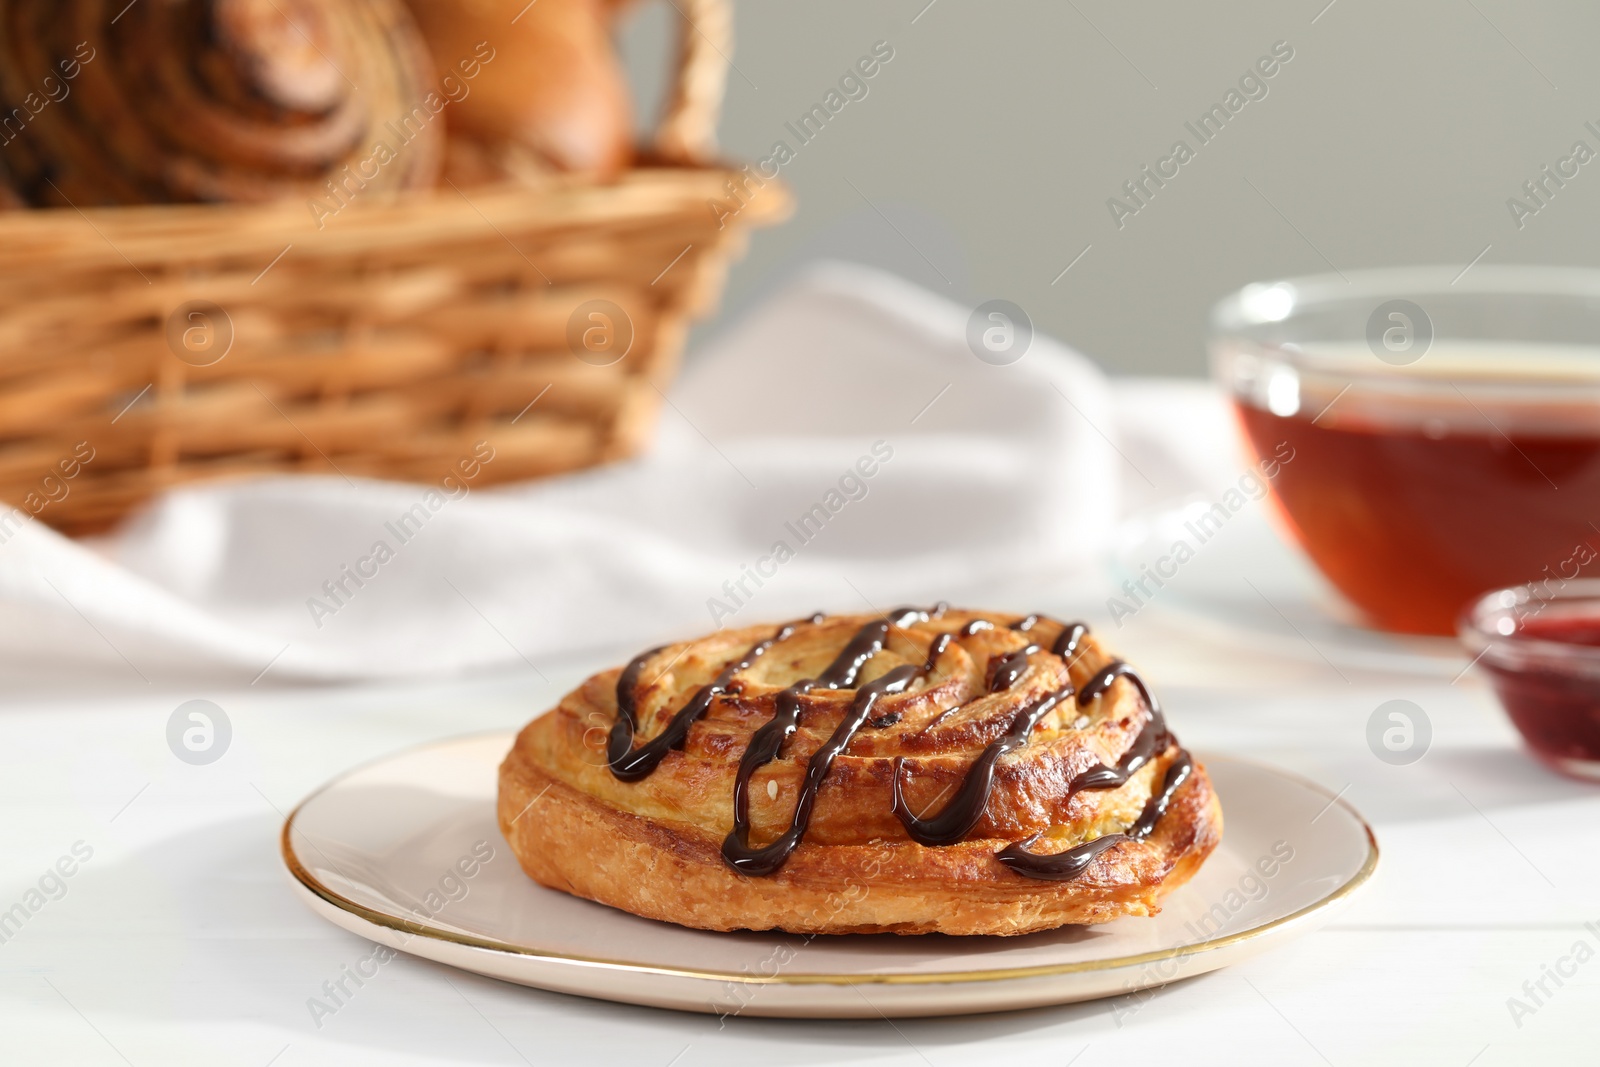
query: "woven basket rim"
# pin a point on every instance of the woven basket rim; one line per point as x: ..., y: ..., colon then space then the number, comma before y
x: 160, y: 234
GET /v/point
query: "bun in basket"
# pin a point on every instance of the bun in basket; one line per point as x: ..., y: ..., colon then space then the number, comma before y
x: 555, y: 91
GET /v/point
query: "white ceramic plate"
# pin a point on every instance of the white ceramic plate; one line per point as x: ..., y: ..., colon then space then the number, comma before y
x: 1247, y: 578
x: 406, y: 851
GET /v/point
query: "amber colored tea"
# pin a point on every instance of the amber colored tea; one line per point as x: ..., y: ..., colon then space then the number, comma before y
x: 1412, y: 521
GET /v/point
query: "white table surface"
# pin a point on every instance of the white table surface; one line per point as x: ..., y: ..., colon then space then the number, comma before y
x: 179, y: 942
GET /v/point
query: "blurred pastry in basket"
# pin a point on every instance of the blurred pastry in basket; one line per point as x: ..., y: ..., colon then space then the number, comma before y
x: 555, y: 97
x: 212, y: 100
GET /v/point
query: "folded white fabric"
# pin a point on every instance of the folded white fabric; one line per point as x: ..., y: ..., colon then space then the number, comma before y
x: 842, y: 448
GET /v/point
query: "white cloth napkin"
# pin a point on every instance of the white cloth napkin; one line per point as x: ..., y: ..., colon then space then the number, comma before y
x: 840, y: 449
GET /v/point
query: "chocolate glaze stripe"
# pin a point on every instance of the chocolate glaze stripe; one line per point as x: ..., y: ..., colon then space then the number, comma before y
x: 1067, y: 642
x: 1069, y: 864
x: 628, y: 683
x: 1152, y: 740
x: 962, y: 814
x: 935, y: 650
x: 768, y: 740
x: 1007, y: 669
x: 1110, y: 673
x: 1178, y: 772
x: 866, y: 643
x: 736, y: 848
x: 629, y: 764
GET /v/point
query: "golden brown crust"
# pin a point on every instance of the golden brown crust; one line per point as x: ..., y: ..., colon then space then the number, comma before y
x: 653, y: 847
x: 555, y: 86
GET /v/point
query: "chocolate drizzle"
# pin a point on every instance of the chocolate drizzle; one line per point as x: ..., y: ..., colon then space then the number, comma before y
x: 867, y: 642
x: 935, y: 650
x: 767, y: 742
x: 1066, y: 865
x: 630, y: 764
x: 1152, y: 740
x: 1067, y: 642
x: 736, y: 849
x: 1007, y: 669
x: 1004, y: 670
x: 1110, y: 673
x: 963, y: 813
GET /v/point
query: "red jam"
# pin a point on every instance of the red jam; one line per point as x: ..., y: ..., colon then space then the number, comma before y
x: 1556, y: 707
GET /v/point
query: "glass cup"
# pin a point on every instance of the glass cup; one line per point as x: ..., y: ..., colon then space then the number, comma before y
x: 1443, y: 427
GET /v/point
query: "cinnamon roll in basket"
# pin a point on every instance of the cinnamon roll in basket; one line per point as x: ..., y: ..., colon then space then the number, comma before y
x: 924, y: 771
x: 105, y: 102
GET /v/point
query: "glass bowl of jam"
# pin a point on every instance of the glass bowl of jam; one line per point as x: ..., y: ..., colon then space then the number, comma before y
x: 1540, y: 646
x: 1442, y: 428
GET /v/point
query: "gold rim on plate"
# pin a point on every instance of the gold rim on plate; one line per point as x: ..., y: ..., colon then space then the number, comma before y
x: 416, y: 929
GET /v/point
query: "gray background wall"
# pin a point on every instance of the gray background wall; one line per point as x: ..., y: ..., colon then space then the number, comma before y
x: 994, y: 137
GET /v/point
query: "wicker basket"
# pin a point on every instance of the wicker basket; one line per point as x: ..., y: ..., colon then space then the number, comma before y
x: 145, y: 347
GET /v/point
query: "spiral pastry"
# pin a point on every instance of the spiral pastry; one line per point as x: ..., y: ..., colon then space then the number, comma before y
x: 105, y: 102
x: 928, y: 770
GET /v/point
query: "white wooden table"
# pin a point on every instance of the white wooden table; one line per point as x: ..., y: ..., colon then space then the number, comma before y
x: 177, y: 940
